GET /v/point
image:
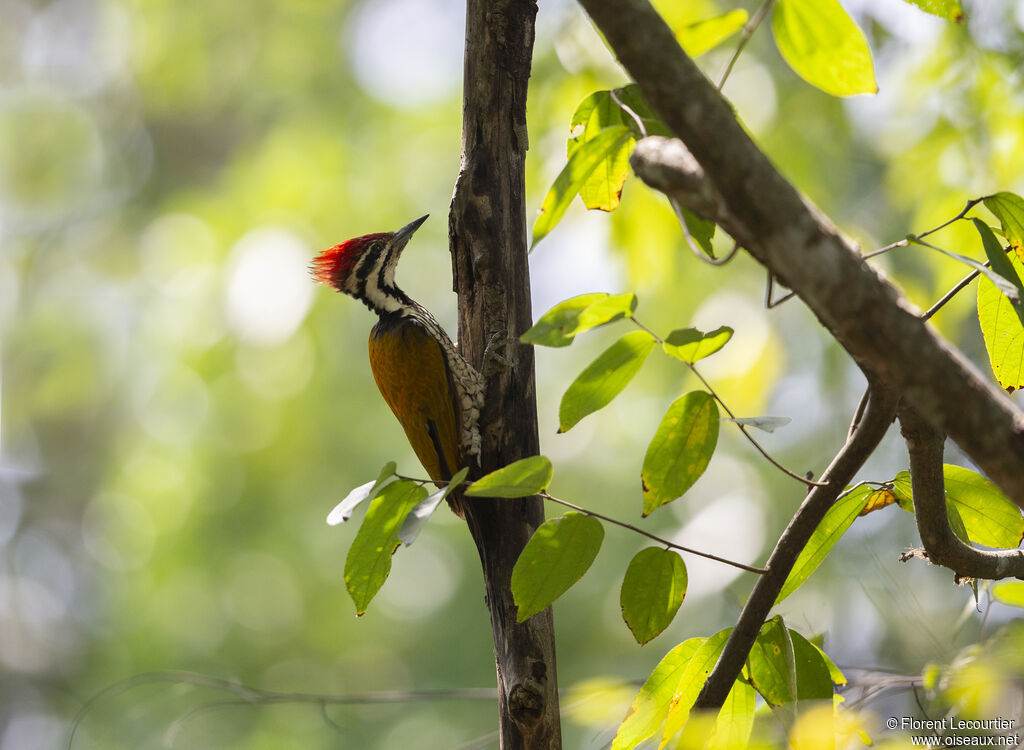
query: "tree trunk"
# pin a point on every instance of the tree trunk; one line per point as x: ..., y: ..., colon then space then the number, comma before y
x: 487, y: 228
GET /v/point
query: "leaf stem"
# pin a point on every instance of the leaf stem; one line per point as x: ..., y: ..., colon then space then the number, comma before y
x: 660, y: 540
x: 743, y: 428
x: 748, y: 31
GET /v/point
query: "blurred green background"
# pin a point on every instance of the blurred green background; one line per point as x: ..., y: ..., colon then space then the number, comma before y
x: 180, y: 407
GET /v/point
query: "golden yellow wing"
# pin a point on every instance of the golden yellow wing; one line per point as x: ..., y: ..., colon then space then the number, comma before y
x: 412, y: 375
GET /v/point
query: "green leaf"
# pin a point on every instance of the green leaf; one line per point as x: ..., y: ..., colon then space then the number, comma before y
x: 343, y: 510
x: 1003, y: 332
x: 835, y: 523
x: 1009, y: 209
x: 978, y: 512
x: 948, y: 9
x: 586, y: 159
x: 1001, y: 265
x: 814, y: 670
x: 604, y: 378
x: 698, y: 38
x: 559, y: 325
x: 1009, y: 592
x: 691, y: 345
x: 609, y: 308
x: 701, y: 231
x: 521, y: 478
x: 652, y: 591
x: 989, y: 517
x: 691, y: 682
x: 558, y: 554
x: 680, y: 450
x: 369, y: 558
x: 418, y: 516
x: 735, y: 721
x: 646, y: 714
x: 772, y: 664
x: 824, y: 46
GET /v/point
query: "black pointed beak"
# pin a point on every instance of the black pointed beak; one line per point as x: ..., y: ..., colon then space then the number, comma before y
x: 403, y: 235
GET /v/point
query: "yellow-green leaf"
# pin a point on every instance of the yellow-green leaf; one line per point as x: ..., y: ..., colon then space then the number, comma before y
x: 646, y: 714
x: 1002, y: 330
x: 368, y: 562
x: 691, y: 682
x: 735, y: 720
x: 558, y: 554
x: 824, y: 46
x: 680, y: 450
x: 691, y: 345
x: 1002, y: 266
x: 1009, y: 209
x: 951, y: 10
x: 604, y: 378
x: 698, y: 38
x: 559, y: 325
x: 835, y: 523
x: 521, y: 478
x: 989, y: 517
x: 585, y: 160
x: 1009, y: 592
x: 420, y: 514
x: 652, y: 591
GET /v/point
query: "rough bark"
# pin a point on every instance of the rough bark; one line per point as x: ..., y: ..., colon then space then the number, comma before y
x: 750, y: 199
x: 488, y: 238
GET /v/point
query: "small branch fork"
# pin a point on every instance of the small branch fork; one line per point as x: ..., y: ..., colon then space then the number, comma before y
x: 941, y: 545
x: 742, y: 427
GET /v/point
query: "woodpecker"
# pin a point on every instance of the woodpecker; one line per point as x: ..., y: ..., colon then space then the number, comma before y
x: 433, y: 391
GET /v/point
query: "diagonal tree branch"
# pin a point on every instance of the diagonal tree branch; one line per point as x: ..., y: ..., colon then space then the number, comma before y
x: 864, y: 438
x: 924, y: 443
x: 738, y: 187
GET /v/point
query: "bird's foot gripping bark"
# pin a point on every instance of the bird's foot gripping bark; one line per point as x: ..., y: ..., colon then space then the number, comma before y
x: 493, y: 356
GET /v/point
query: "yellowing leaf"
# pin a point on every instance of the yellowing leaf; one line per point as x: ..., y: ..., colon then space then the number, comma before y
x: 877, y: 500
x: 691, y: 345
x: 585, y: 161
x: 824, y: 46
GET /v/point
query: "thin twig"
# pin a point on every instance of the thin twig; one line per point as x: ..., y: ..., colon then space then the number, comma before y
x: 743, y: 428
x: 248, y: 695
x: 950, y: 294
x: 649, y: 535
x: 748, y: 31
x: 906, y: 240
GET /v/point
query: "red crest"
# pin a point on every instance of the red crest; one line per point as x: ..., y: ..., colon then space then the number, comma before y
x: 334, y: 264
